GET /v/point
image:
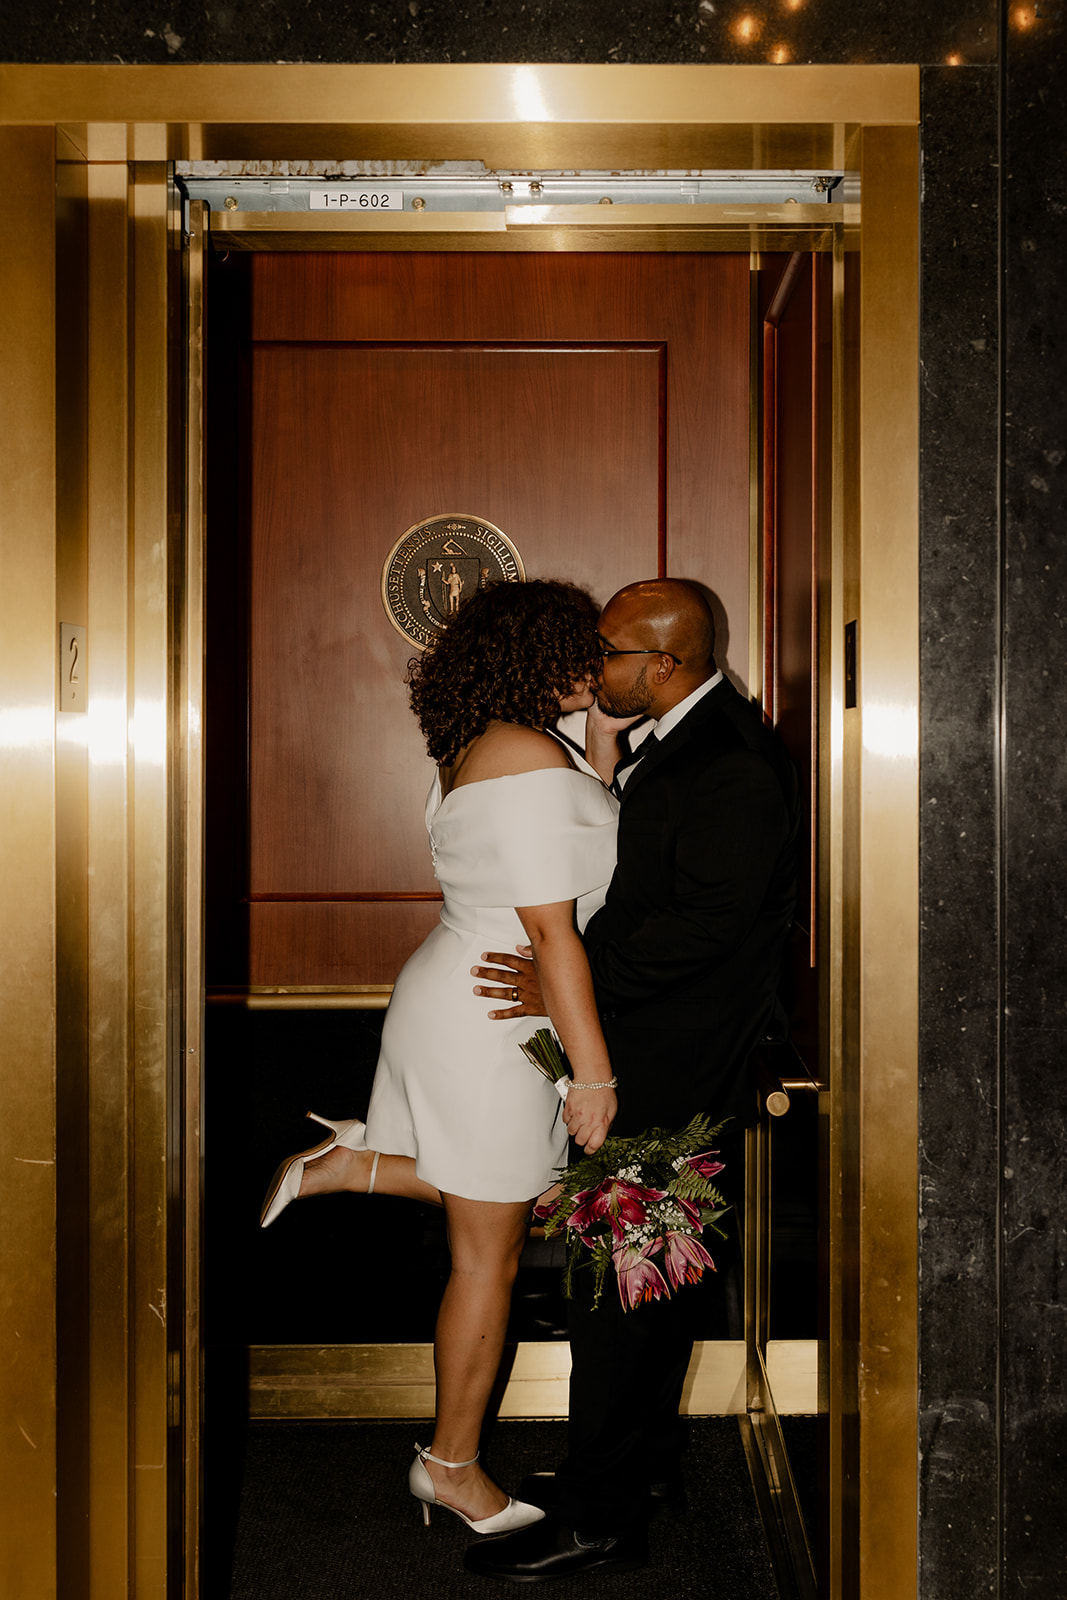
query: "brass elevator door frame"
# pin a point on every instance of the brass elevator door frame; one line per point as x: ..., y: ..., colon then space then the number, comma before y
x: 117, y: 128
x: 190, y: 716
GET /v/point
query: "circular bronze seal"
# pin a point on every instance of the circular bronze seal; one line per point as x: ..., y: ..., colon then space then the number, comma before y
x: 439, y: 563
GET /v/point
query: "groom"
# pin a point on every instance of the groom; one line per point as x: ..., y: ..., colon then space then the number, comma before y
x: 685, y: 955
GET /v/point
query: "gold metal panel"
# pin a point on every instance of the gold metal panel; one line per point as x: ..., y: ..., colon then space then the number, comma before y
x: 889, y: 870
x: 356, y: 997
x: 151, y: 972
x: 72, y: 827
x: 28, y: 677
x: 428, y: 96
x: 838, y: 844
x: 624, y: 227
x: 287, y: 229
x: 557, y: 228
x: 108, y: 932
x: 520, y: 147
x: 374, y: 1381
x: 70, y: 143
x: 793, y: 1373
x: 398, y: 1380
x: 601, y: 117
x: 815, y: 220
x: 188, y: 794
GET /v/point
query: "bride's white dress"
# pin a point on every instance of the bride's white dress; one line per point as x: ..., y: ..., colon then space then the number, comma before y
x: 452, y: 1088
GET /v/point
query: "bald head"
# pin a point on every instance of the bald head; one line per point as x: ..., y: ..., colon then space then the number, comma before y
x: 670, y: 619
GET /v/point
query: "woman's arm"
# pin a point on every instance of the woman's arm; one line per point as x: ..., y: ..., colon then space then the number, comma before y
x: 567, y: 988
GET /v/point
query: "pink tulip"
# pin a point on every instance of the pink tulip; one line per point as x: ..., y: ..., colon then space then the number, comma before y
x: 639, y: 1277
x: 685, y: 1259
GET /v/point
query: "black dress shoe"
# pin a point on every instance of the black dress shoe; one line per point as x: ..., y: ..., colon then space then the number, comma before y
x: 551, y: 1549
x: 665, y: 1500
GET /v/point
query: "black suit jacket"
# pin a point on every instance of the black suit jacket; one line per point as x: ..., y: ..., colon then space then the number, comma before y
x: 687, y: 950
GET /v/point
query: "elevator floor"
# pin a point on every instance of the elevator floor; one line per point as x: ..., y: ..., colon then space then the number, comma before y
x: 321, y: 1511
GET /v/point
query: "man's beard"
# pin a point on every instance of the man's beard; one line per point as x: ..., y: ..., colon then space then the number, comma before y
x: 633, y: 702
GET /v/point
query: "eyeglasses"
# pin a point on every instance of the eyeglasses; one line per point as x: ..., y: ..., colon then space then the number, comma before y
x: 609, y: 650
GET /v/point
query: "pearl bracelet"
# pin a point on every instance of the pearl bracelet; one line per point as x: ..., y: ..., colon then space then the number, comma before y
x: 609, y: 1083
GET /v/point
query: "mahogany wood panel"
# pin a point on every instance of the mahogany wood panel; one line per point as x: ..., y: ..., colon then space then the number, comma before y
x: 696, y: 306
x: 335, y: 942
x: 350, y: 446
x: 797, y: 452
x: 594, y: 407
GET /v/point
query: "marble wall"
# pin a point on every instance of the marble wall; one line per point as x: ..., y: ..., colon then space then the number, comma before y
x: 648, y: 31
x: 960, y: 819
x: 1033, y: 878
x: 994, y: 638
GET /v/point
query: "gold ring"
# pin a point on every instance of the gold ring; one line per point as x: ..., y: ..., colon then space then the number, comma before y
x: 515, y: 995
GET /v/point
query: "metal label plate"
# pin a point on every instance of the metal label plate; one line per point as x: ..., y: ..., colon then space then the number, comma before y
x: 436, y: 565
x: 336, y: 199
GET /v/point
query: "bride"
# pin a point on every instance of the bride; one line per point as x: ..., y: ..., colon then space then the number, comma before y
x: 523, y: 843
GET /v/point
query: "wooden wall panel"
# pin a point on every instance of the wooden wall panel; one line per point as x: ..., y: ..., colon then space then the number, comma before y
x: 594, y: 407
x: 350, y: 446
x: 797, y: 454
x: 696, y: 306
x: 329, y: 942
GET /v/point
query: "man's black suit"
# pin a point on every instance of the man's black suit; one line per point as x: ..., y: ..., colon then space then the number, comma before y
x: 686, y: 956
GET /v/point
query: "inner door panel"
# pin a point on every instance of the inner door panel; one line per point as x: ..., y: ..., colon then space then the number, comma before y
x: 593, y: 407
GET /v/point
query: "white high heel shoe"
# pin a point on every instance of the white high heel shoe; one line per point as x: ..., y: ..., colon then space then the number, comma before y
x: 285, y: 1184
x: 516, y: 1514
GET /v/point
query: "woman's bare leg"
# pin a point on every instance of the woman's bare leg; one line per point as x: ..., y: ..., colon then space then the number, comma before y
x: 342, y: 1170
x: 486, y: 1239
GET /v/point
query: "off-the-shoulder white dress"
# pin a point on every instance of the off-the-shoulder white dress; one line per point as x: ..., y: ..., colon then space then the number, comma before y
x: 452, y: 1088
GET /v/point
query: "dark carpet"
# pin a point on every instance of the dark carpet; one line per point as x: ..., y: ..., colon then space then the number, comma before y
x: 325, y: 1514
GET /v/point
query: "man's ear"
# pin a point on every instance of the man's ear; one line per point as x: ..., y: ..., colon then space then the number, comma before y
x: 665, y: 671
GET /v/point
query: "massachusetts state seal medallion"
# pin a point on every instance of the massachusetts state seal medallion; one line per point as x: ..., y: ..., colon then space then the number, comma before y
x: 437, y: 565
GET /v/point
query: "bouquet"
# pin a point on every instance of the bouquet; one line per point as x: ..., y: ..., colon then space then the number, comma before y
x: 638, y: 1205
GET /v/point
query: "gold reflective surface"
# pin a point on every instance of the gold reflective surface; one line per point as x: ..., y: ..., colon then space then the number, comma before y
x: 28, y: 676
x: 152, y: 833
x: 886, y: 1060
x: 72, y: 888
x: 697, y: 227
x: 188, y: 794
x: 604, y: 97
x: 397, y: 1380
x: 110, y: 1132
x: 102, y: 842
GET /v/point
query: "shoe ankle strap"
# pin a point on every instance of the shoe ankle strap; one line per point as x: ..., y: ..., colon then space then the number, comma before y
x: 424, y: 1455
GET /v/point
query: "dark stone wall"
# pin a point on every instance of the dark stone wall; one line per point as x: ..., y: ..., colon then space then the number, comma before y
x: 647, y: 31
x: 994, y: 770
x: 960, y: 811
x: 992, y: 854
x: 1033, y: 881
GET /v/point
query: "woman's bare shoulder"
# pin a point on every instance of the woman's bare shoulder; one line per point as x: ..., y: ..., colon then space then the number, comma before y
x: 507, y: 749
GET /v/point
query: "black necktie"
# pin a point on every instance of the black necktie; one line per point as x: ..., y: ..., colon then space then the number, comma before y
x: 626, y: 762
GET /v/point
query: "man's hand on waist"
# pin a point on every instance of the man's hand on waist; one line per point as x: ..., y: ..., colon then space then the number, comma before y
x: 513, y: 978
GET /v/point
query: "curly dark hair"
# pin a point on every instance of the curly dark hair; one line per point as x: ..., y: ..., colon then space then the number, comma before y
x: 508, y: 655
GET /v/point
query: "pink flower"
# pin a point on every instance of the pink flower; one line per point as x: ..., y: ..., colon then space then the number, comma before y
x: 639, y: 1277
x: 685, y: 1259
x: 689, y: 1209
x: 613, y: 1202
x: 703, y: 1165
